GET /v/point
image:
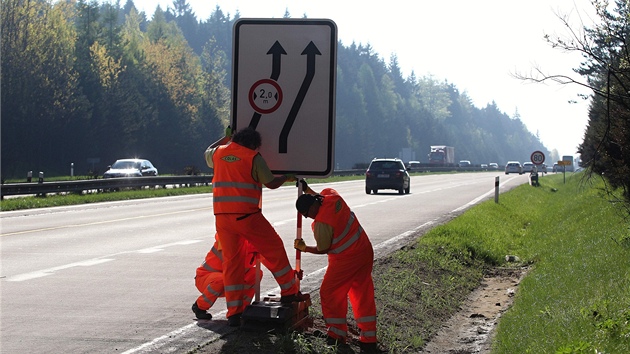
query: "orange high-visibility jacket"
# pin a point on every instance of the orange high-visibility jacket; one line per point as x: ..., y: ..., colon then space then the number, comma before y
x: 349, y: 236
x: 236, y: 191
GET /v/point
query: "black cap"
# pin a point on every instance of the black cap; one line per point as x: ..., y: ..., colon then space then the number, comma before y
x: 304, y: 202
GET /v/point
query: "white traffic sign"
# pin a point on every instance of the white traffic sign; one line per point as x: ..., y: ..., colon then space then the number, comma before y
x: 283, y: 85
x: 538, y: 157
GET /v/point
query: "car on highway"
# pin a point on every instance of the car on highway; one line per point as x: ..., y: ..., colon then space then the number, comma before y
x: 465, y: 163
x: 387, y: 173
x: 130, y: 168
x: 413, y: 165
x: 513, y: 167
x: 528, y: 167
x: 493, y: 166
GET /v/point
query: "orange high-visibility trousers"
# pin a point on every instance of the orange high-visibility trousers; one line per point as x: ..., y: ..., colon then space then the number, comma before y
x: 349, y: 277
x: 263, y: 237
x: 210, y: 285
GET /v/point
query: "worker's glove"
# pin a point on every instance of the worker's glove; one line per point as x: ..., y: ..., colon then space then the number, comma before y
x: 299, y: 244
x: 228, y: 131
x: 290, y: 178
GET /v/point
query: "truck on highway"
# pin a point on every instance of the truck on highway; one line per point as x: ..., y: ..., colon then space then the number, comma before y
x: 442, y: 155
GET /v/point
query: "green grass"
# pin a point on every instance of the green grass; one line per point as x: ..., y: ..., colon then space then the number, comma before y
x: 575, y: 298
x: 74, y: 199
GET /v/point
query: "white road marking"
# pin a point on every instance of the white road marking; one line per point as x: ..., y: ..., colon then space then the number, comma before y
x: 94, y: 261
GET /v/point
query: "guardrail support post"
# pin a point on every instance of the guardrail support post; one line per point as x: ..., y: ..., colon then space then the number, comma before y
x: 496, y: 189
x: 41, y: 177
x: 29, y: 176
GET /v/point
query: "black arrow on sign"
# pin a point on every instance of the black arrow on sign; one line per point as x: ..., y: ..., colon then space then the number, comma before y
x: 276, y: 51
x: 310, y: 51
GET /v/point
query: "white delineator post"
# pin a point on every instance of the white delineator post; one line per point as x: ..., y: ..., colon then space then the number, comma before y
x: 496, y: 189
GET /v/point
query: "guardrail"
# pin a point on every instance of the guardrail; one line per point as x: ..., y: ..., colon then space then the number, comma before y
x: 79, y: 186
x: 100, y: 184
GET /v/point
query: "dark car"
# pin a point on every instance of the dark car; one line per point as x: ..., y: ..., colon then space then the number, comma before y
x: 131, y: 168
x: 387, y: 173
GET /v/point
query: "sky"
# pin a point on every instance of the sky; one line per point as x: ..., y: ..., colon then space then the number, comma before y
x: 478, y: 46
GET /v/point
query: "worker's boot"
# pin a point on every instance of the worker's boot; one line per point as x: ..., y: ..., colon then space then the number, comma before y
x: 368, y: 348
x: 234, y: 320
x: 297, y: 297
x: 199, y: 313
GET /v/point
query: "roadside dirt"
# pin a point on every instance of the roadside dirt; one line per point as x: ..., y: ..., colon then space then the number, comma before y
x: 471, y: 329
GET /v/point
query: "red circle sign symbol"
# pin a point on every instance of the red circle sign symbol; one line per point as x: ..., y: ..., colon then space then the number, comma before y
x: 265, y: 96
x: 538, y: 157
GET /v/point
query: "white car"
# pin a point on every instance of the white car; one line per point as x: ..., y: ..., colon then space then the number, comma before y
x: 528, y: 167
x: 493, y: 165
x: 131, y: 168
x: 513, y: 167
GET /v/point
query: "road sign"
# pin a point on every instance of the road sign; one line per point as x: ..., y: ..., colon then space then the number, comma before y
x: 538, y: 157
x: 564, y: 162
x: 283, y: 85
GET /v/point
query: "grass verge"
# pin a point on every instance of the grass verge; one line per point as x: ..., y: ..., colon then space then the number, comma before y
x: 575, y: 299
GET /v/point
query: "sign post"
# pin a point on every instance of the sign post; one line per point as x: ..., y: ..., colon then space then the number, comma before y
x: 564, y: 164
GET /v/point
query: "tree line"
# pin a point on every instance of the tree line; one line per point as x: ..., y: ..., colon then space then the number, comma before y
x: 605, y: 47
x: 87, y: 83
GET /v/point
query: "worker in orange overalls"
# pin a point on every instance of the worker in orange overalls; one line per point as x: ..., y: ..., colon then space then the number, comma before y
x: 209, y: 279
x: 239, y: 174
x: 350, y: 258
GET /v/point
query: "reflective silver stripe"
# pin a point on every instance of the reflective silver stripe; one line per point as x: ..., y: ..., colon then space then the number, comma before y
x: 236, y: 287
x: 213, y: 292
x: 217, y: 253
x: 337, y: 331
x: 287, y: 285
x: 282, y: 271
x: 248, y: 299
x: 369, y: 333
x: 348, y: 243
x: 207, y: 300
x: 236, y: 199
x: 346, y: 230
x: 334, y: 320
x: 209, y: 269
x: 366, y: 319
x: 234, y: 303
x: 240, y: 185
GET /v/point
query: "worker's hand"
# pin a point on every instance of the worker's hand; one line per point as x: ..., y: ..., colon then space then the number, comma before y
x: 304, y: 185
x: 299, y: 244
x: 290, y: 177
x: 228, y: 131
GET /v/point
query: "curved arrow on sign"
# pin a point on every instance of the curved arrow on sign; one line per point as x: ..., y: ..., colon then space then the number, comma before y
x: 311, y: 51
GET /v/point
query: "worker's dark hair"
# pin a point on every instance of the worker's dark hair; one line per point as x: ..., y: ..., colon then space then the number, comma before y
x: 304, y: 202
x: 248, y: 137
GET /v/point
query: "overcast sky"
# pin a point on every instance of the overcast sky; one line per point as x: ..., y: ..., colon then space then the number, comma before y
x: 476, y: 45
